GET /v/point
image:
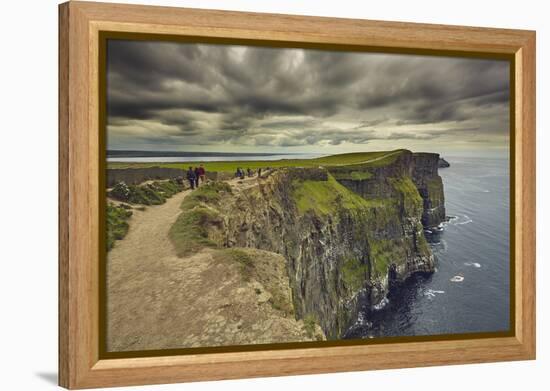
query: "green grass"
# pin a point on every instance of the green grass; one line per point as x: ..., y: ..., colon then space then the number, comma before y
x: 154, y: 193
x: 231, y: 166
x: 354, y: 274
x: 412, y: 201
x: 383, y: 252
x: 324, y: 196
x: 117, y: 223
x: 209, y: 193
x: 351, y: 175
x: 190, y: 231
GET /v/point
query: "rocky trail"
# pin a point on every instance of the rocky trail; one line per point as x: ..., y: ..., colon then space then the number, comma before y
x: 156, y: 300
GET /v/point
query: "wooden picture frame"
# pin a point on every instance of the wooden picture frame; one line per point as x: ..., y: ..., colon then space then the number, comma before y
x: 80, y: 155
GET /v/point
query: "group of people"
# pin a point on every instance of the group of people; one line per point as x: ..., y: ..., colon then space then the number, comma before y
x: 240, y: 173
x: 196, y: 175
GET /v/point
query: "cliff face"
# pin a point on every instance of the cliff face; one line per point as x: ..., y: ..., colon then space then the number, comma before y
x: 348, y: 233
x: 430, y: 186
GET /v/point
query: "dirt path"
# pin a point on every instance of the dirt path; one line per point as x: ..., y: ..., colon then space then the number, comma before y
x: 143, y: 252
x: 156, y: 300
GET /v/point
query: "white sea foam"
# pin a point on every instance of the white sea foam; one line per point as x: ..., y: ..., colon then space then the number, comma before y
x: 431, y: 292
x: 382, y: 304
x: 457, y: 279
x: 463, y: 220
x: 474, y: 264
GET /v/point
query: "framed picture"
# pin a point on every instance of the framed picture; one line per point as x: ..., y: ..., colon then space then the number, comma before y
x: 247, y: 195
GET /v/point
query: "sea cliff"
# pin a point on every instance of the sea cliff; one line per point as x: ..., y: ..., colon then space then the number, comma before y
x: 348, y: 233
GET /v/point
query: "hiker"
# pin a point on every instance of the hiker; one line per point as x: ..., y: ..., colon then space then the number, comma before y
x: 197, y: 175
x: 191, y: 177
x: 202, y: 173
x: 239, y: 174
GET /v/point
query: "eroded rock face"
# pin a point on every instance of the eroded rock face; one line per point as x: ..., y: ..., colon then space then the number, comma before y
x: 443, y: 163
x: 430, y: 187
x: 348, y: 233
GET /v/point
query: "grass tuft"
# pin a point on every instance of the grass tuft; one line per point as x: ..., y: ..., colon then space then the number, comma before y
x: 189, y: 233
x: 117, y: 223
x: 209, y: 193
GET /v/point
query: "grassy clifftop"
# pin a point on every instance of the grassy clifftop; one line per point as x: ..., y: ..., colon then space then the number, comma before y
x: 378, y: 158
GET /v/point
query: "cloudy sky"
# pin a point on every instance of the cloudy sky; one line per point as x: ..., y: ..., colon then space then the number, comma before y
x: 198, y: 97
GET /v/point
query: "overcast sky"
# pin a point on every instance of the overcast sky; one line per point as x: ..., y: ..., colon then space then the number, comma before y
x: 198, y: 97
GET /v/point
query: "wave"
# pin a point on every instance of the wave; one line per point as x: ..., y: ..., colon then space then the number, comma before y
x: 431, y: 292
x: 382, y: 304
x: 457, y: 220
x: 474, y: 264
x: 457, y: 279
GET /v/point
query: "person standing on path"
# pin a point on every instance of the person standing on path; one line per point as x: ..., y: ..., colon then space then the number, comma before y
x: 197, y: 177
x: 202, y: 173
x: 191, y: 177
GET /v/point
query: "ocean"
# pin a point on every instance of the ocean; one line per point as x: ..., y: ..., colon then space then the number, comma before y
x: 470, y: 290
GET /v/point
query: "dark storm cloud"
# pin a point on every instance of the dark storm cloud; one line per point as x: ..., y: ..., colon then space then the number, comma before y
x: 189, y: 94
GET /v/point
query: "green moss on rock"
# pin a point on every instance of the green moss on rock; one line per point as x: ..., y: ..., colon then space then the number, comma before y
x: 355, y: 175
x: 383, y: 253
x: 412, y: 201
x: 354, y: 274
x: 325, y: 197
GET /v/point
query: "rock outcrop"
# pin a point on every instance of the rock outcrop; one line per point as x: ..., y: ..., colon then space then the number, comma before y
x: 430, y: 186
x: 443, y: 163
x: 348, y: 233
